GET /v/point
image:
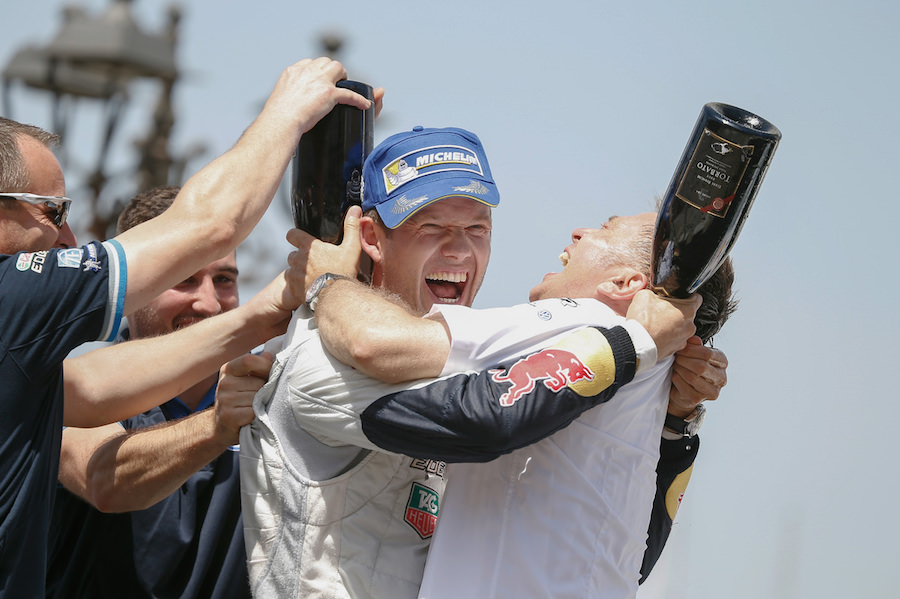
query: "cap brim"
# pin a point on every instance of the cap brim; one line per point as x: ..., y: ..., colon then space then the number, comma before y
x: 395, y: 211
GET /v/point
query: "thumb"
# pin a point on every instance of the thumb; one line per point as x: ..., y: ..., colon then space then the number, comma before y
x: 351, y: 228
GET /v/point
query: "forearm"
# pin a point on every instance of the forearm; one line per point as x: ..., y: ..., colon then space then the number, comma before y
x: 143, y: 373
x: 221, y: 204
x: 134, y: 470
x: 477, y: 416
x: 214, y: 211
x: 227, y: 198
x: 377, y: 335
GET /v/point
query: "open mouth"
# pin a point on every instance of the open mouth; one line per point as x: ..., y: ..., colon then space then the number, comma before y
x: 564, y: 258
x: 447, y: 287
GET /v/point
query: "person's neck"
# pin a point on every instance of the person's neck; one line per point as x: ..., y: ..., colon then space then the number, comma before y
x: 194, y: 395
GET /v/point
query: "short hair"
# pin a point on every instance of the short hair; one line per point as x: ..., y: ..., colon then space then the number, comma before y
x: 14, y: 175
x: 146, y: 205
x: 376, y: 218
x: 718, y: 302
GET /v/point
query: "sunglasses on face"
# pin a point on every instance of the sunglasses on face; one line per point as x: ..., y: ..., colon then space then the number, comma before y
x: 59, y: 205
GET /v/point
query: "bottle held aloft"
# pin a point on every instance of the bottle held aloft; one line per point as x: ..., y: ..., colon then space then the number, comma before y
x: 327, y: 167
x: 709, y: 197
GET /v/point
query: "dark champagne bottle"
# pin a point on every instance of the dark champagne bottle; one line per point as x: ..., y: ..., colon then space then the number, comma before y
x: 327, y: 167
x: 710, y: 196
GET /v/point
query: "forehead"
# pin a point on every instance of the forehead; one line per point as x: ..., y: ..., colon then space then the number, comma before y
x: 226, y: 264
x: 229, y: 262
x: 458, y: 211
x: 44, y: 171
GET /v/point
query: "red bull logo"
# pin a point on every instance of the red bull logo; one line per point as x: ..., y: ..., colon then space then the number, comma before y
x: 557, y: 368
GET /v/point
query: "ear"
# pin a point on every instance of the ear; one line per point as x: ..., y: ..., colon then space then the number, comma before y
x: 623, y: 284
x: 368, y: 237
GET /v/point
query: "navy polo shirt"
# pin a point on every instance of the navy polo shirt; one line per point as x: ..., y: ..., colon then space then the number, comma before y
x: 51, y: 302
x: 189, y: 545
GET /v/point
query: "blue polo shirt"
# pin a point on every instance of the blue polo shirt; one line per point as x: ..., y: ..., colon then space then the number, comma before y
x: 50, y: 303
x: 189, y: 545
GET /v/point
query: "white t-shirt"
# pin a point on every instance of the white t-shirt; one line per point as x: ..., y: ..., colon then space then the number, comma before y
x: 565, y: 517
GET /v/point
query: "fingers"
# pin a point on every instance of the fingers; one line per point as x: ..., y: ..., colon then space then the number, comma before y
x: 249, y: 365
x: 351, y: 98
x: 704, y: 367
x: 695, y: 387
x: 299, y: 238
x: 351, y: 230
x: 243, y: 375
x: 335, y: 71
x: 669, y: 322
x: 239, y: 380
x: 314, y: 257
x: 683, y: 398
x: 327, y: 67
x: 698, y: 375
x: 307, y: 91
x: 378, y: 93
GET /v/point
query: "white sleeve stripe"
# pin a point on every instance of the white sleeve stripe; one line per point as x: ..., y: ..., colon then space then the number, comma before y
x: 118, y: 278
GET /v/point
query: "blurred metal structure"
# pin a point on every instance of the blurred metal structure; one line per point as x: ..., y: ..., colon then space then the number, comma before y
x: 97, y: 58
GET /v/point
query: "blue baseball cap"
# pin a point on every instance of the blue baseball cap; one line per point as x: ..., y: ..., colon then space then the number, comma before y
x: 413, y: 169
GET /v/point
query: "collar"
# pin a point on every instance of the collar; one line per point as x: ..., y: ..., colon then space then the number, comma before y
x: 175, y: 408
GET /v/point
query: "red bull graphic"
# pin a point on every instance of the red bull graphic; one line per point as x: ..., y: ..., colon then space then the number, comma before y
x: 555, y: 367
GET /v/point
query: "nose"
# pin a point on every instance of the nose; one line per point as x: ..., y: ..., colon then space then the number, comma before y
x: 206, y: 300
x: 457, y: 245
x: 577, y: 234
x: 66, y: 237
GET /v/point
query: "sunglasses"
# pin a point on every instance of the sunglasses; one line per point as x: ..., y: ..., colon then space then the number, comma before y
x: 58, y: 204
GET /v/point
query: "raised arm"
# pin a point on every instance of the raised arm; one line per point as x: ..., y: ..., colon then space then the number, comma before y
x: 377, y: 335
x: 118, y: 471
x: 366, y: 328
x: 221, y: 204
x: 144, y: 373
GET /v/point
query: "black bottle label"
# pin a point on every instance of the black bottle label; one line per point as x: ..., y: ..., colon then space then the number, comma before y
x: 712, y: 176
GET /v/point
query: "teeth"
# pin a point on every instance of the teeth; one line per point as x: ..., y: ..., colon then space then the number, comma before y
x: 446, y: 300
x: 450, y: 277
x: 564, y: 258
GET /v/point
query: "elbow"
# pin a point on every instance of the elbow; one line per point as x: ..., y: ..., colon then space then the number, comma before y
x: 368, y: 351
x: 110, y: 500
x: 374, y: 361
x: 106, y: 495
x: 363, y: 349
x: 102, y: 494
x: 104, y: 503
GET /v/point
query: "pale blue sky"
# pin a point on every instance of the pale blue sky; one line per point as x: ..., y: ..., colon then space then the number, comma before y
x: 584, y: 109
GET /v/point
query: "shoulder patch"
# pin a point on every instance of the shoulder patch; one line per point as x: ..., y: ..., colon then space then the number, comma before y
x: 69, y: 258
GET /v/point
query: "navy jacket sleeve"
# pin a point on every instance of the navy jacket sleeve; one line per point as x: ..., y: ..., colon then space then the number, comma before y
x: 476, y: 417
x: 673, y: 472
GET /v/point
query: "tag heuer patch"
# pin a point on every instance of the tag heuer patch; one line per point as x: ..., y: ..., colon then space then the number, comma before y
x: 422, y: 510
